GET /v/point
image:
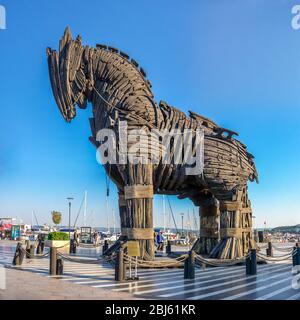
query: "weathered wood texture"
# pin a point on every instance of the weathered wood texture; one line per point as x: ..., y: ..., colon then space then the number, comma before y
x: 119, y: 91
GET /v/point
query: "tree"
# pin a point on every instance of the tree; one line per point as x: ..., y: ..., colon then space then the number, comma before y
x: 56, y: 217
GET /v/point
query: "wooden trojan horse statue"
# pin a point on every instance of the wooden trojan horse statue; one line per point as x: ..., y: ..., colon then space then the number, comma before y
x: 119, y: 92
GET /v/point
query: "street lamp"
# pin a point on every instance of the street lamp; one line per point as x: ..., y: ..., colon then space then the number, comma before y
x: 70, y: 203
x: 182, y: 215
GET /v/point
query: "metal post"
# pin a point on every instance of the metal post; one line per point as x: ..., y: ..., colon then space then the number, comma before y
x: 19, y: 255
x: 70, y: 199
x: 42, y: 246
x: 27, y: 242
x: 296, y: 256
x: 71, y: 246
x: 69, y: 219
x: 59, y: 266
x: 31, y: 250
x: 119, y: 266
x: 169, y: 247
x: 105, y: 246
x: 189, y: 266
x: 53, y: 261
x: 182, y: 215
x: 248, y: 264
x: 251, y: 263
x: 269, y: 250
x: 38, y: 248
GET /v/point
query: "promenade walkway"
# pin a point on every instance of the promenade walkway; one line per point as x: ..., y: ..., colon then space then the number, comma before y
x: 273, y: 281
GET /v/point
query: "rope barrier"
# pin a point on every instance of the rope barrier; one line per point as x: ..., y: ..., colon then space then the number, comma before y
x: 88, y: 245
x: 274, y: 259
x: 84, y: 261
x: 45, y: 255
x: 219, y: 263
x: 287, y: 249
x: 157, y: 264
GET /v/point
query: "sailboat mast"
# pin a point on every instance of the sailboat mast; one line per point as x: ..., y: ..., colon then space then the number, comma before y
x: 164, y: 212
x: 85, y: 207
x: 107, y: 213
x: 114, y: 220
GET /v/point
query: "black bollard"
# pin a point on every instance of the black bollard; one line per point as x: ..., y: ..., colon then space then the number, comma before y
x: 42, y: 246
x: 189, y: 266
x: 168, y: 247
x: 269, y: 250
x: 105, y: 247
x: 296, y: 256
x: 59, y: 267
x: 19, y: 255
x: 71, y: 246
x: 251, y: 263
x: 27, y: 242
x: 53, y: 261
x: 119, y: 266
x: 38, y: 248
x: 74, y: 247
x: 31, y: 251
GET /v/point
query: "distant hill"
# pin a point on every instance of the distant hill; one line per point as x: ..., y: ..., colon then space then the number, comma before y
x: 287, y: 229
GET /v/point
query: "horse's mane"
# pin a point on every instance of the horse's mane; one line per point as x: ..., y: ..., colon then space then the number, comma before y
x: 130, y: 60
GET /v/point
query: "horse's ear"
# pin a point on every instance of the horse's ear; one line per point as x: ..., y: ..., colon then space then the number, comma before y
x: 67, y: 37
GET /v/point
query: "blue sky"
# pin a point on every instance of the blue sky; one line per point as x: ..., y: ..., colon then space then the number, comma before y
x: 237, y: 62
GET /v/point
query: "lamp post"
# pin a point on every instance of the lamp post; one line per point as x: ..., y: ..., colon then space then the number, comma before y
x: 182, y: 215
x: 70, y: 203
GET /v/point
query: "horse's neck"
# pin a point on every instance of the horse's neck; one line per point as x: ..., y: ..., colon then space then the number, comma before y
x: 119, y: 85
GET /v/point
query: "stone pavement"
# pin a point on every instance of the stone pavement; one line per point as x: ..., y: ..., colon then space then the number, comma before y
x: 80, y: 280
x: 22, y: 285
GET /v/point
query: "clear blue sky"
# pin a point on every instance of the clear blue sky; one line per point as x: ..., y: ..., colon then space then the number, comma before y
x: 237, y: 62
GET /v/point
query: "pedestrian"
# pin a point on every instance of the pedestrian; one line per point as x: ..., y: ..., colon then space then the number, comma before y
x: 159, y: 240
x: 76, y: 238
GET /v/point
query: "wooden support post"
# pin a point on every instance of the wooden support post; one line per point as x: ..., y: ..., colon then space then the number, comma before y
x: 269, y: 250
x: 137, y: 225
x: 251, y: 263
x: 209, y: 226
x: 119, y: 266
x: 53, y: 261
x: 168, y: 247
x: 189, y: 266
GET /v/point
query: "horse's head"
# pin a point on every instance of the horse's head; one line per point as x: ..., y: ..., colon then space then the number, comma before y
x: 70, y: 74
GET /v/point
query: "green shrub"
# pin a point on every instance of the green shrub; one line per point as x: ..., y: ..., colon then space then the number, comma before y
x: 58, y: 236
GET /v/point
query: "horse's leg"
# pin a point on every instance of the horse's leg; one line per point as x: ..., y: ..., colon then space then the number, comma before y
x: 235, y: 227
x: 247, y: 239
x: 137, y: 223
x: 209, y: 225
x: 122, y: 210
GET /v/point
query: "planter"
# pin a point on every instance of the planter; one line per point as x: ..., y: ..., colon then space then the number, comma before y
x: 61, y: 245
